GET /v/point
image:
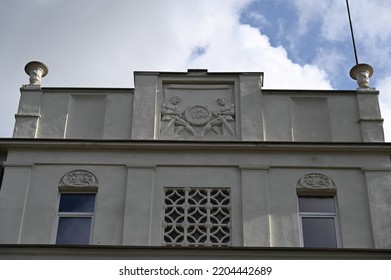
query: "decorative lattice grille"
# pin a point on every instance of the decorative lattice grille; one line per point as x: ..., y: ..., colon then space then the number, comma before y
x: 197, y: 217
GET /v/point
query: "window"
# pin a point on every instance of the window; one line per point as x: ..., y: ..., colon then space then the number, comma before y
x: 75, y: 216
x: 318, y: 221
x: 197, y: 217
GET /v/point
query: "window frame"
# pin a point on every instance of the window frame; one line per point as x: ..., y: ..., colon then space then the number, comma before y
x: 333, y: 215
x: 90, y: 215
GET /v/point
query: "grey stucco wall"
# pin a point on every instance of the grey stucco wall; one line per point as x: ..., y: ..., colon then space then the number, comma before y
x: 130, y: 196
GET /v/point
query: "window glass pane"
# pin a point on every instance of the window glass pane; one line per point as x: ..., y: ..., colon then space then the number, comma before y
x: 316, y: 204
x: 72, y: 230
x: 77, y: 203
x: 319, y: 232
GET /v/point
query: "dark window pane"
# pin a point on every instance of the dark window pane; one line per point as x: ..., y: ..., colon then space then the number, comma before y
x: 316, y: 204
x: 319, y: 232
x: 77, y: 203
x: 73, y: 230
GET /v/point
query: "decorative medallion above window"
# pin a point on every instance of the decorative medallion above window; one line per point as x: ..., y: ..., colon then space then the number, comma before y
x: 78, y: 180
x: 315, y: 182
x: 197, y: 217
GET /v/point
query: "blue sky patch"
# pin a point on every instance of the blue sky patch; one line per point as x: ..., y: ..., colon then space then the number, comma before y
x: 197, y: 51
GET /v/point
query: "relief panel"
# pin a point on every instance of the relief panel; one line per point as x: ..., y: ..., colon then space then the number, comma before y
x: 198, y: 112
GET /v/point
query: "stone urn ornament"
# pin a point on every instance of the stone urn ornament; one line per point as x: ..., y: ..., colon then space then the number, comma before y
x: 362, y: 73
x: 36, y: 70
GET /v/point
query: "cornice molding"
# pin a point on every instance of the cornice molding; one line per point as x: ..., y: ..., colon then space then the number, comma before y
x: 162, y: 145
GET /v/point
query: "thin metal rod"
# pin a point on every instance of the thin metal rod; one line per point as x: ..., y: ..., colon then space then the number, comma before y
x: 351, y: 31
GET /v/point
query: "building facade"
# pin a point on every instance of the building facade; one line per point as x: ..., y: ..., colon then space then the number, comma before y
x: 196, y: 159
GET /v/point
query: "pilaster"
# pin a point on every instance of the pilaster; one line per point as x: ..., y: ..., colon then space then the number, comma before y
x: 138, y: 205
x: 144, y: 106
x: 255, y: 206
x: 369, y: 115
x: 379, y: 198
x: 14, y: 193
x: 28, y: 115
x: 251, y: 107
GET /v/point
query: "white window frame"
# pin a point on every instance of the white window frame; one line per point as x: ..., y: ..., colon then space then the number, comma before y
x: 333, y: 215
x: 75, y: 215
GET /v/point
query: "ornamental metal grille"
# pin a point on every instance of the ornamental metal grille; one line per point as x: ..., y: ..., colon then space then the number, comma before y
x: 197, y: 217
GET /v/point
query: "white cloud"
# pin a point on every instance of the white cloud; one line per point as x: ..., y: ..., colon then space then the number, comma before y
x: 232, y: 46
x: 331, y: 60
x: 309, y: 11
x: 258, y: 18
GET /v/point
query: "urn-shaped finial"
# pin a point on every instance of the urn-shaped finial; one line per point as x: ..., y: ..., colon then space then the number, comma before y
x: 36, y: 70
x: 361, y: 73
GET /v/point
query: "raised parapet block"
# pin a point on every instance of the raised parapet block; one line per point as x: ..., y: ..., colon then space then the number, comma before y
x: 29, y: 111
x: 197, y: 105
x: 369, y: 115
x: 368, y: 104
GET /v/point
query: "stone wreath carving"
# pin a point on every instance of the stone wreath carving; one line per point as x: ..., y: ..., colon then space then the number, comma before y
x: 79, y: 178
x: 315, y: 181
x: 198, y: 115
x: 197, y: 119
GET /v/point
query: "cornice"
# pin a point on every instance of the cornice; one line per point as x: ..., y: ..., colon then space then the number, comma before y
x: 227, y: 146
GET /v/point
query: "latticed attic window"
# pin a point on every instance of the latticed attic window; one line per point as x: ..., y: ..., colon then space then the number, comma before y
x: 197, y: 217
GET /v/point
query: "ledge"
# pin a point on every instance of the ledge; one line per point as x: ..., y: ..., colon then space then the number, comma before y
x: 172, y: 145
x: 28, y: 115
x: 99, y: 252
x: 371, y: 120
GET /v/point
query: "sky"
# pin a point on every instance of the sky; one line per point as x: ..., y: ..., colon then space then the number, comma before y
x: 298, y: 44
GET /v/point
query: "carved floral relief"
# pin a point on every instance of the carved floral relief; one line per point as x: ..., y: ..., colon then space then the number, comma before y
x: 315, y: 181
x: 79, y: 178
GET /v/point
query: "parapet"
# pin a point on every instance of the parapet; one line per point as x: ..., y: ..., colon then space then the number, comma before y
x: 197, y: 105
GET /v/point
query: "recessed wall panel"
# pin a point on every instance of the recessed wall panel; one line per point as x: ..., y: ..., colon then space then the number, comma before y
x: 86, y: 117
x: 310, y: 119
